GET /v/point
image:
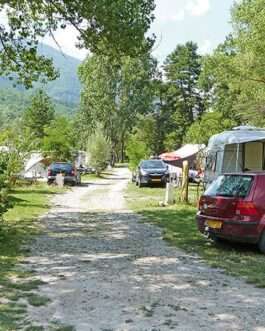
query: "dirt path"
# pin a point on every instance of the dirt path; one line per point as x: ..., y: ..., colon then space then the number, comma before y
x: 106, y: 271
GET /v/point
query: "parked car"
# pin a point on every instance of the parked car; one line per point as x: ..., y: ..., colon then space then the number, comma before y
x: 84, y: 170
x: 151, y: 172
x: 70, y: 173
x: 233, y: 208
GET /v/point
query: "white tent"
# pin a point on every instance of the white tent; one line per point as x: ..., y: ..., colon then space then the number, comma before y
x: 4, y: 149
x: 35, y: 166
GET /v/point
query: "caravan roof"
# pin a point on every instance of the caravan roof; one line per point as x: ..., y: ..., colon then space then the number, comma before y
x: 238, y: 135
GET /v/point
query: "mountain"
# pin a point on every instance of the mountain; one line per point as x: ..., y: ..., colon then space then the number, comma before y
x: 65, y: 91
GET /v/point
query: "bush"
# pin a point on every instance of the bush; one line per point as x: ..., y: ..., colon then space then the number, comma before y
x: 136, y: 150
x: 99, y: 150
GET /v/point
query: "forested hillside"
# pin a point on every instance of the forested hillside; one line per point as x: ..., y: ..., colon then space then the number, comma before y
x: 64, y: 91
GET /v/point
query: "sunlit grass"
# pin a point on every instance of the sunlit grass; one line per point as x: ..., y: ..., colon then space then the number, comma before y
x: 19, y: 225
x: 180, y: 229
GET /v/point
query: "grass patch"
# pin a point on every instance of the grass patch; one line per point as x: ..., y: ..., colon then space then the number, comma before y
x: 19, y: 225
x: 35, y: 328
x: 93, y: 177
x: 37, y: 300
x: 180, y: 229
x: 89, y: 177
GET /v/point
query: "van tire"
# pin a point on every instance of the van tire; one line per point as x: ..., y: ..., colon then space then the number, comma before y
x: 261, y: 243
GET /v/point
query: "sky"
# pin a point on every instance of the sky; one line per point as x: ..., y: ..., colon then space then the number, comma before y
x: 205, y: 22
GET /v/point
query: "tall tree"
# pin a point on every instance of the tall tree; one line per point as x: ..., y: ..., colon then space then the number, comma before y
x: 114, y: 92
x: 182, y: 69
x: 59, y: 140
x: 109, y: 26
x: 236, y: 68
x: 39, y: 114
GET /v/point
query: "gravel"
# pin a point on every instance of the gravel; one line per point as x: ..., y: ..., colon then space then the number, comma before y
x: 106, y: 270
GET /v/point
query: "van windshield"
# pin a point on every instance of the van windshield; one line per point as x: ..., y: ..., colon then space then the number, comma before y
x: 230, y: 186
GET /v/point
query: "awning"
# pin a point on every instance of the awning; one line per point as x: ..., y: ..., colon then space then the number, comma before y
x: 184, y: 152
x: 169, y: 156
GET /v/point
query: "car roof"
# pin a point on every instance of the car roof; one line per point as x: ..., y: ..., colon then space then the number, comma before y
x: 61, y: 163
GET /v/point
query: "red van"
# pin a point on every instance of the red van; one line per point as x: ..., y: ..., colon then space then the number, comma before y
x: 233, y: 208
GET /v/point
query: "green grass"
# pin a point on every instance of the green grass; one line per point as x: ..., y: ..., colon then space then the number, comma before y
x: 89, y: 177
x: 180, y: 230
x: 37, y: 300
x: 93, y: 177
x: 19, y: 226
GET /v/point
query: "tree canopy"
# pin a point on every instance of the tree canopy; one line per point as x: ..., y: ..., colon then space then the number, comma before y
x: 107, y: 26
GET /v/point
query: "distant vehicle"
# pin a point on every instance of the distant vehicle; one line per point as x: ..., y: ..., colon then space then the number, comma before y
x: 151, y: 172
x: 233, y: 208
x: 84, y: 170
x: 70, y: 173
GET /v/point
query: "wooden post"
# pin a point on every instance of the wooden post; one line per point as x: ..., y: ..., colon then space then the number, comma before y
x: 185, y: 182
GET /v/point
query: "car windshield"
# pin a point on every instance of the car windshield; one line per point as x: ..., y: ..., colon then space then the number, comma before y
x: 153, y: 164
x: 230, y: 186
x: 61, y: 167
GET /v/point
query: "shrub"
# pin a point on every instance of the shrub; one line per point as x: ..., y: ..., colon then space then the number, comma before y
x: 99, y: 150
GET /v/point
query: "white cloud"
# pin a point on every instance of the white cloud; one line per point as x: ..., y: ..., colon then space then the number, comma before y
x: 205, y: 47
x: 198, y: 7
x: 66, y: 39
x: 179, y: 16
x: 177, y: 10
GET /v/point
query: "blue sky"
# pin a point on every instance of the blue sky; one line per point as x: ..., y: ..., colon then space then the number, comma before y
x: 204, y: 21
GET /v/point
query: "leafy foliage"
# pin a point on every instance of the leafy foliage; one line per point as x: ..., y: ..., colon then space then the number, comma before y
x: 99, y: 150
x: 211, y: 123
x: 114, y: 92
x: 59, y: 141
x: 140, y: 142
x: 39, y: 114
x: 182, y: 69
x: 109, y: 26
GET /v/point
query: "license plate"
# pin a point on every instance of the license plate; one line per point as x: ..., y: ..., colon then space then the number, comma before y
x: 156, y: 180
x: 214, y: 224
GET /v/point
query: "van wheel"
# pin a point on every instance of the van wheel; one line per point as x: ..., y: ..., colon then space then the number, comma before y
x: 262, y: 243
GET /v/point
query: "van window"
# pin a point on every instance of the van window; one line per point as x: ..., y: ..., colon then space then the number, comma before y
x: 211, y: 162
x: 230, y: 186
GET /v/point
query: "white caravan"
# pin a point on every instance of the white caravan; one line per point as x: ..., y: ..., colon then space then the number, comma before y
x: 239, y: 150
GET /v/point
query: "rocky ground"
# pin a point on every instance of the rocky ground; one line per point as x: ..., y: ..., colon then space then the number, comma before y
x: 106, y: 270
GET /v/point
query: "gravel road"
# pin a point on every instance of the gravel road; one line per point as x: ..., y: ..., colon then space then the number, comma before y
x: 106, y: 271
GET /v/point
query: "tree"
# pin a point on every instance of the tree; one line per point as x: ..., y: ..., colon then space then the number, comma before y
x: 39, y: 114
x: 99, y: 150
x: 59, y: 141
x: 211, y: 123
x: 236, y: 69
x: 182, y: 69
x: 3, y: 185
x: 114, y: 92
x: 142, y: 141
x: 109, y: 26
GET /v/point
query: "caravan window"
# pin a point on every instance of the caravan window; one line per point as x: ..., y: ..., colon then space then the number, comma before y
x: 211, y: 161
